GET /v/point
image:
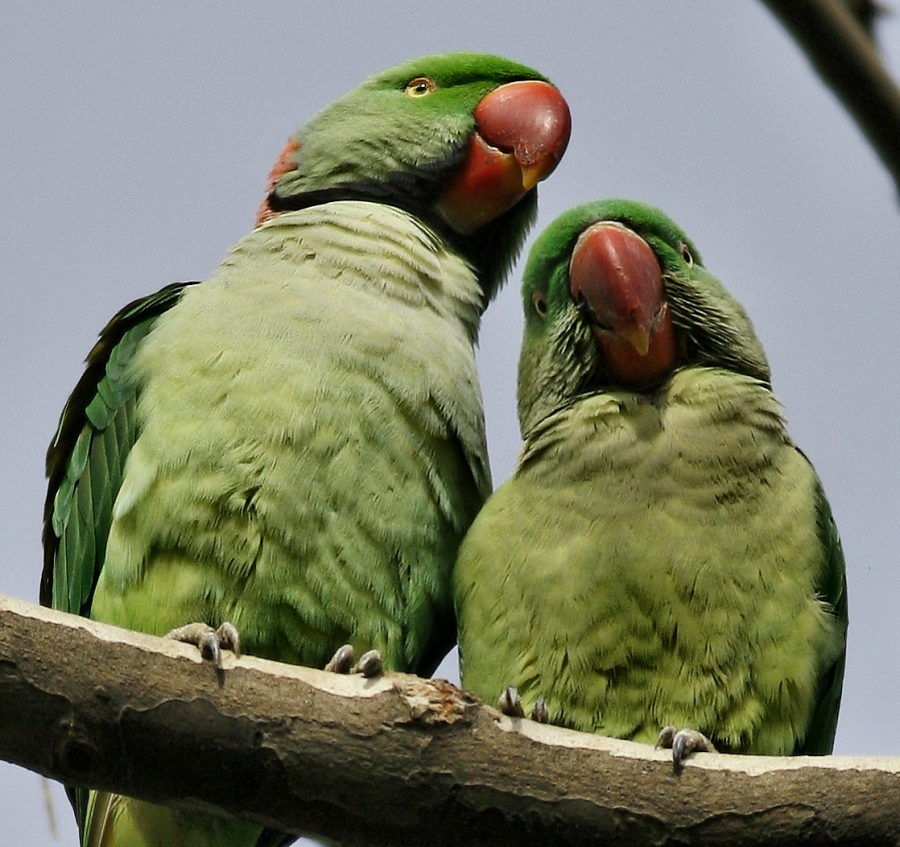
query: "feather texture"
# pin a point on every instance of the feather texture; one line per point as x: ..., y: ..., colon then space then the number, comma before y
x: 306, y: 530
x: 296, y: 445
x: 663, y: 554
x: 665, y: 567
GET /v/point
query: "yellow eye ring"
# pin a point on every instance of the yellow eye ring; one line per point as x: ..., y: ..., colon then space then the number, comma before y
x: 686, y: 255
x: 421, y: 86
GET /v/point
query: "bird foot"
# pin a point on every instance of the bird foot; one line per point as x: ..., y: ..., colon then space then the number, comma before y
x: 682, y: 743
x: 511, y: 705
x: 211, y: 642
x: 369, y: 665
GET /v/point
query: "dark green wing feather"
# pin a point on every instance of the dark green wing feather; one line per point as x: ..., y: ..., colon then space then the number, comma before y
x: 832, y: 589
x: 84, y: 466
x: 85, y: 460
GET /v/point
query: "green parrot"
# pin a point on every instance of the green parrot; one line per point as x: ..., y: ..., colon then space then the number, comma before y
x: 663, y: 555
x: 291, y: 451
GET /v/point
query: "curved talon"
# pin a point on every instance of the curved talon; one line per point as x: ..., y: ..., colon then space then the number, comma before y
x: 369, y: 664
x: 510, y: 703
x: 210, y: 648
x: 683, y: 743
x: 540, y: 713
x: 664, y: 739
x: 209, y: 641
x: 342, y: 660
x: 229, y: 638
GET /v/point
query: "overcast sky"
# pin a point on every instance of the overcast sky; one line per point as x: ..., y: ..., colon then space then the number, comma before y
x: 135, y: 140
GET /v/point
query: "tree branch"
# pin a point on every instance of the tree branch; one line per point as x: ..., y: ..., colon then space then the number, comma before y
x: 848, y: 62
x: 396, y: 760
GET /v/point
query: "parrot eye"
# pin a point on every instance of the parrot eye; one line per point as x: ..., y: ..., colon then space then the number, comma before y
x: 421, y: 86
x: 686, y: 255
x: 539, y: 301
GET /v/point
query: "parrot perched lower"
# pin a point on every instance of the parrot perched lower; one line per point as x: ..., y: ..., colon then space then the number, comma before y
x: 663, y: 555
x: 296, y: 446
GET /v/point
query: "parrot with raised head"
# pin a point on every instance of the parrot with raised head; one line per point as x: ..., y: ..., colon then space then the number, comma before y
x: 663, y: 565
x: 289, y: 453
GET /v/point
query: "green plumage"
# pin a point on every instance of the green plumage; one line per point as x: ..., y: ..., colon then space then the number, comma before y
x: 662, y: 555
x: 295, y: 445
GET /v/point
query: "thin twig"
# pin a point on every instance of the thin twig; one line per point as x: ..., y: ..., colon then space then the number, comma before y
x: 848, y: 62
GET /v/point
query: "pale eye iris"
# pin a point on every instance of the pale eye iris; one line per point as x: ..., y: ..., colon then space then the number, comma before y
x: 686, y: 255
x: 421, y: 86
x: 540, y: 304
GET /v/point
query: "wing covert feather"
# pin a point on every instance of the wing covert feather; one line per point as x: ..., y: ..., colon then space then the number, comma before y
x: 832, y: 589
x: 85, y: 460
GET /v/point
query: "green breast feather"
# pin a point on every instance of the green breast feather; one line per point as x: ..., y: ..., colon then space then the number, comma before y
x: 296, y: 445
x: 663, y: 554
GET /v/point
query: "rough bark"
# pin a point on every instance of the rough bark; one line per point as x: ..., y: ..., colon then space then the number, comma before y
x: 396, y: 760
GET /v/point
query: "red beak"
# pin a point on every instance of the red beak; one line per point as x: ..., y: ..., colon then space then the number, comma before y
x: 522, y: 130
x: 615, y: 278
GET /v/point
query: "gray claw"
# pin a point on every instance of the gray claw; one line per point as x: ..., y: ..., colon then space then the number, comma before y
x: 229, y: 639
x: 510, y: 703
x: 683, y: 743
x: 210, y: 641
x: 369, y: 664
x: 342, y: 660
x: 664, y: 739
x: 539, y: 713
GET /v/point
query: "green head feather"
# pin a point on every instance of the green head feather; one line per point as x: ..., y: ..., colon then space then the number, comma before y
x: 385, y: 141
x: 560, y: 358
x: 384, y: 137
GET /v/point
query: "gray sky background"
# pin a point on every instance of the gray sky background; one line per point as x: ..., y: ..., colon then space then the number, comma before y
x: 135, y: 140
